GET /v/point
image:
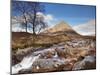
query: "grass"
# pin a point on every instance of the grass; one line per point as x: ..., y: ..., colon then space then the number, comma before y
x: 43, y: 41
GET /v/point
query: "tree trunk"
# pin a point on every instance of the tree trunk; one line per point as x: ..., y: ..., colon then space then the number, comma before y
x: 25, y: 22
x: 34, y: 21
x: 26, y: 28
x: 34, y: 31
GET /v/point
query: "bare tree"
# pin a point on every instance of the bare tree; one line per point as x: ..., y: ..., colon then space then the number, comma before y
x: 37, y: 21
x: 28, y: 14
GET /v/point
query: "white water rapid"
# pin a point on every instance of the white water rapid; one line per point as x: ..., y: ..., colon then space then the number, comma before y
x: 26, y: 63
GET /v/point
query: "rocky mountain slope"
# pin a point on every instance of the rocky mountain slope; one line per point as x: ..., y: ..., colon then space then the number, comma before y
x: 62, y: 26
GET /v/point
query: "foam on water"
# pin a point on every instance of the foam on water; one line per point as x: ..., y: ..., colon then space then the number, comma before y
x: 26, y: 63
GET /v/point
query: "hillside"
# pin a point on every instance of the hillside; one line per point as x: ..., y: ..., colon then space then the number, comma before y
x: 61, y: 26
x: 17, y: 35
x: 23, y: 40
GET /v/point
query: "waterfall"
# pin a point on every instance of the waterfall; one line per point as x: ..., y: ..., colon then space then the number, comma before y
x: 26, y: 63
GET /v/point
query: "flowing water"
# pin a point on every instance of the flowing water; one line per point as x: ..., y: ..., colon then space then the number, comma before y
x: 26, y: 63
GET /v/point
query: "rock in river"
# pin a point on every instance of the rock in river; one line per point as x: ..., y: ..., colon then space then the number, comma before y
x: 89, y: 62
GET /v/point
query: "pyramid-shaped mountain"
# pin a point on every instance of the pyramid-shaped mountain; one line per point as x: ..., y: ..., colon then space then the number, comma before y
x: 62, y: 26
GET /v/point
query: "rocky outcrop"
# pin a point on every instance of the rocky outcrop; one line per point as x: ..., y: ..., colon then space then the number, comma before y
x: 89, y: 62
x: 47, y: 65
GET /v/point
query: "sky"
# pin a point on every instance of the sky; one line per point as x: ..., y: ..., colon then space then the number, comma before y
x: 74, y: 15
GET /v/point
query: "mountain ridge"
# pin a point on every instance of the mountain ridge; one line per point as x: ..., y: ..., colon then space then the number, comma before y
x: 61, y: 26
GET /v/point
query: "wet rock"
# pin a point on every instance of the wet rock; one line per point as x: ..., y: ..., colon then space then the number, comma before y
x: 15, y: 59
x: 47, y: 65
x: 25, y: 71
x: 89, y: 62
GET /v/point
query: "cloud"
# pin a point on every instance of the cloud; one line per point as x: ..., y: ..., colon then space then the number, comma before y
x: 49, y: 18
x: 86, y: 28
x: 17, y: 28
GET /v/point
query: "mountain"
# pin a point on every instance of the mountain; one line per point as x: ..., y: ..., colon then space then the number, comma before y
x: 62, y: 26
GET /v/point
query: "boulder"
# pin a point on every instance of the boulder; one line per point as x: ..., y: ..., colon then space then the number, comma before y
x: 89, y: 62
x: 47, y: 65
x: 25, y: 71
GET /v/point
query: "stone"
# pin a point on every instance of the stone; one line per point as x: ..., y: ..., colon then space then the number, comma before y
x: 47, y: 65
x: 89, y: 62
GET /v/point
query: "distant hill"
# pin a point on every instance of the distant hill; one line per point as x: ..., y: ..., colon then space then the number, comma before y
x: 62, y: 26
